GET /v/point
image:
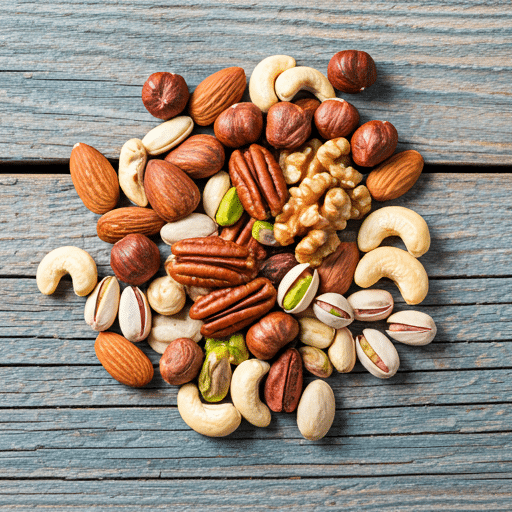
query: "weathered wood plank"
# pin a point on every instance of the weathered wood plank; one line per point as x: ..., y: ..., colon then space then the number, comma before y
x: 422, y: 493
x: 470, y: 237
x: 76, y: 74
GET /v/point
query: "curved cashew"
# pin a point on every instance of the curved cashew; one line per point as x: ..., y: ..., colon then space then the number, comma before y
x: 132, y: 162
x: 213, y: 420
x: 245, y: 391
x: 167, y: 135
x: 67, y: 260
x: 263, y: 77
x: 303, y: 78
x: 398, y: 265
x: 395, y: 221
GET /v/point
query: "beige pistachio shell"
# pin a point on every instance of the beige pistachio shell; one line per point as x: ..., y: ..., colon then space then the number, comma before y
x: 417, y: 328
x: 384, y: 350
x: 315, y: 333
x: 316, y: 410
x: 342, y: 352
x: 316, y: 361
x: 192, y: 226
x: 287, y: 282
x: 134, y: 314
x: 371, y: 305
x: 214, y: 190
x: 102, y: 305
x: 338, y: 304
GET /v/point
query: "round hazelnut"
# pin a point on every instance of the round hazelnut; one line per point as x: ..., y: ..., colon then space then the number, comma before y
x: 181, y: 361
x: 239, y: 125
x: 351, y: 71
x: 336, y: 118
x: 135, y: 259
x: 165, y: 95
x: 309, y: 105
x: 288, y: 125
x: 272, y: 332
x: 373, y: 142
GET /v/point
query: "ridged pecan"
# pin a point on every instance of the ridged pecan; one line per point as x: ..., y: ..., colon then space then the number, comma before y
x: 259, y: 181
x: 228, y: 310
x: 241, y: 234
x: 211, y: 262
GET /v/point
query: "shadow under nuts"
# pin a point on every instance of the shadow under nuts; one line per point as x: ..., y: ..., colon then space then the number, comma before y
x: 270, y: 334
x: 181, y: 361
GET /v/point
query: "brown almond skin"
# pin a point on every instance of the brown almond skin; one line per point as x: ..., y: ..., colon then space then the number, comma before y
x: 283, y: 386
x: 351, y: 71
x: 116, y: 224
x: 395, y: 176
x: 215, y: 94
x: 373, y: 142
x: 94, y: 178
x: 272, y: 332
x: 200, y: 156
x: 135, y: 259
x: 239, y: 125
x: 181, y: 361
x: 123, y: 360
x: 336, y: 272
x: 165, y: 95
x: 170, y: 191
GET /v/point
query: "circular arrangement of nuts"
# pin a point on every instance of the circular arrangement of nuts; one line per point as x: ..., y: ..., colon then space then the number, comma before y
x: 254, y: 291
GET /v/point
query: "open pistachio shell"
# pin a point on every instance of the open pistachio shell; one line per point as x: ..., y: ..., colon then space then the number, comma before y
x: 377, y: 353
x: 134, y: 314
x: 371, y: 305
x: 412, y: 328
x: 102, y: 305
x: 333, y: 309
x: 305, y: 296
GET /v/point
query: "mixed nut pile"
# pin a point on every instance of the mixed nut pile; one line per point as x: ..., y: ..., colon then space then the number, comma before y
x: 257, y: 266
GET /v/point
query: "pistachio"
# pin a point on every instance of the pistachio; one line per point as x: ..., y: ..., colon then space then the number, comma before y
x: 377, y: 354
x: 297, y: 288
x: 263, y: 232
x: 316, y: 410
x: 194, y: 225
x: 134, y: 314
x: 315, y: 333
x: 371, y: 305
x: 230, y: 208
x: 316, y: 361
x: 214, y: 190
x: 237, y: 349
x: 412, y: 328
x: 333, y: 309
x: 215, y: 376
x: 342, y: 352
x: 101, y: 306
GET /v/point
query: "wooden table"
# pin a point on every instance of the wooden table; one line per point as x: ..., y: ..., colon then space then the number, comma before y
x: 437, y: 436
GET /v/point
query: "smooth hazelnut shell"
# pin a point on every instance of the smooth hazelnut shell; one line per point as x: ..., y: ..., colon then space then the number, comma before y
x: 165, y: 95
x: 336, y: 118
x: 351, y: 71
x: 181, y: 361
x: 373, y: 142
x: 135, y: 259
x: 288, y: 125
x: 239, y: 125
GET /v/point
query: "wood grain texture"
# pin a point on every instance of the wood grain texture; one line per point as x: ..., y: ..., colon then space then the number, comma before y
x: 73, y: 71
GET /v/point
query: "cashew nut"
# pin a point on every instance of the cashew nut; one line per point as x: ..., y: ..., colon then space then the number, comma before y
x: 167, y: 135
x: 263, y: 77
x: 245, y: 391
x: 213, y: 420
x: 395, y: 221
x: 132, y: 162
x: 303, y: 78
x: 404, y: 270
x: 67, y: 260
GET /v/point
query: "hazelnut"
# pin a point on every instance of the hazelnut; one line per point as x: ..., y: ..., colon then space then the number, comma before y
x: 200, y: 156
x: 181, y: 361
x: 373, y: 142
x: 239, y: 125
x: 351, y: 71
x: 288, y: 125
x: 135, y: 259
x: 275, y: 330
x: 309, y: 105
x: 165, y: 95
x: 336, y: 118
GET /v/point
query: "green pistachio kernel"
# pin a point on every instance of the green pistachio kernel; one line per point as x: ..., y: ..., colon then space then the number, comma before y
x: 264, y: 233
x: 230, y: 208
x: 215, y: 377
x: 296, y: 292
x: 235, y: 345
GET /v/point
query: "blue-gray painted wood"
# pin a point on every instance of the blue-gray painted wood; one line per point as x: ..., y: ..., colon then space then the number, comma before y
x: 73, y: 71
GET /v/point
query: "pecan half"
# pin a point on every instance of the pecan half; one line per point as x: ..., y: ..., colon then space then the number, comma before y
x: 228, y: 310
x: 241, y: 234
x: 259, y: 181
x: 210, y: 262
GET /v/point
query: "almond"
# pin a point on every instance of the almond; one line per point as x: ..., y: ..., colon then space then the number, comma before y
x: 116, y: 224
x: 171, y: 193
x: 94, y: 178
x: 395, y: 176
x: 215, y: 94
x: 123, y: 360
